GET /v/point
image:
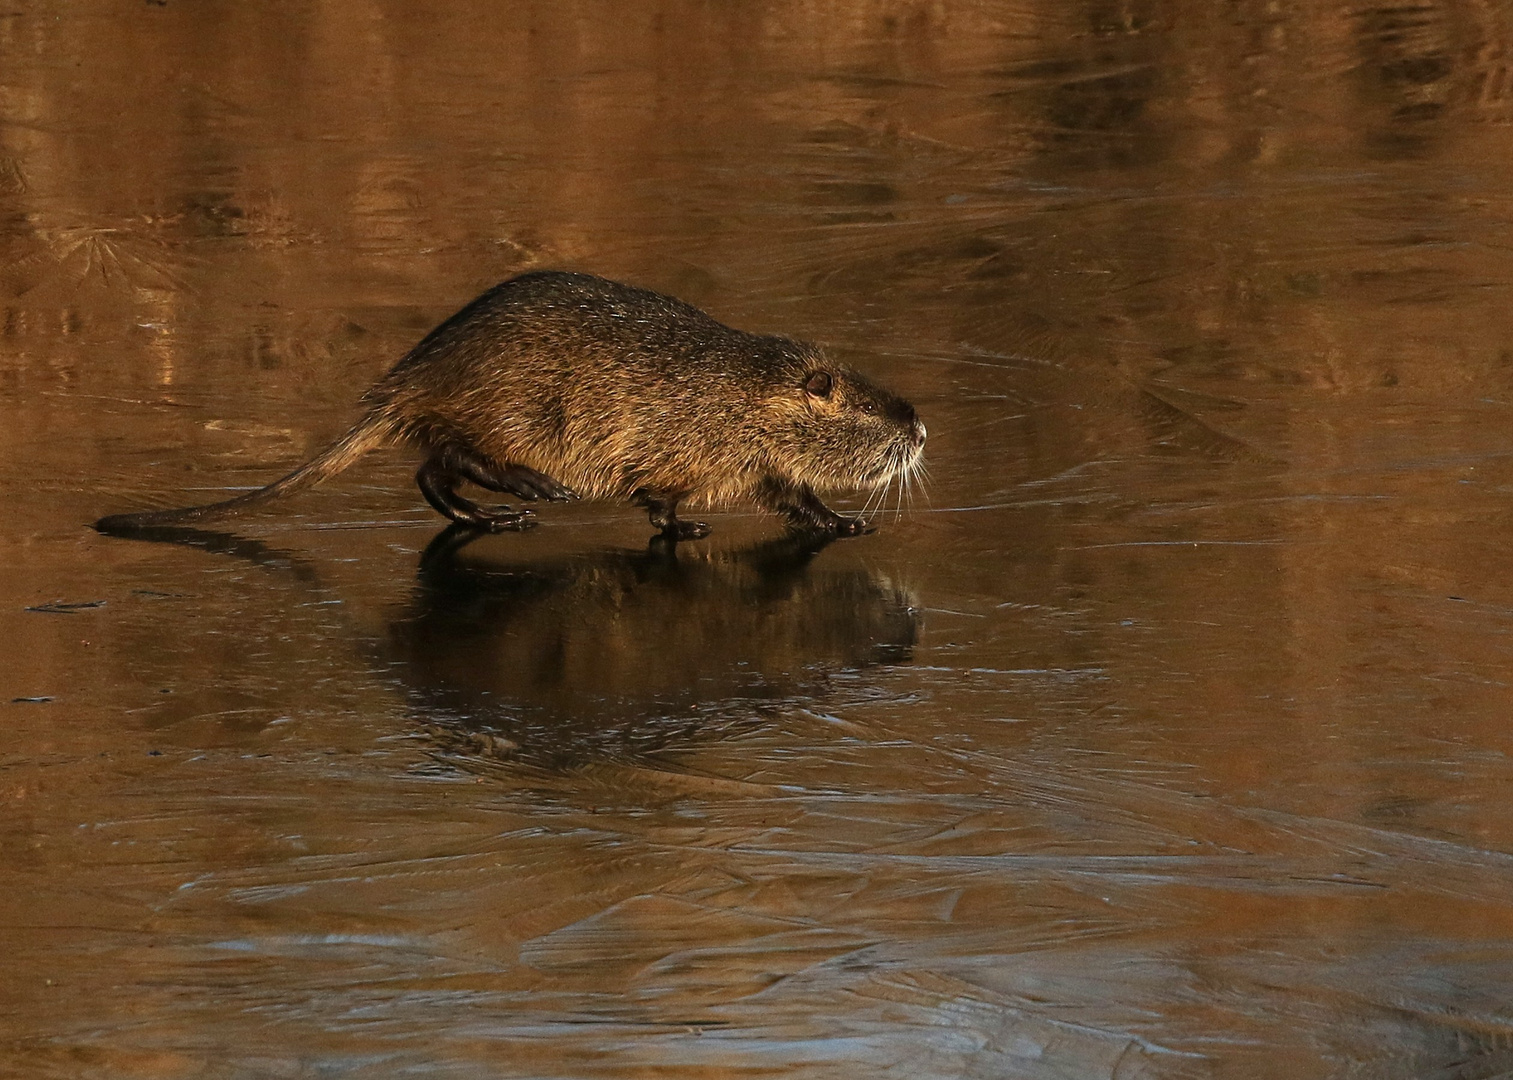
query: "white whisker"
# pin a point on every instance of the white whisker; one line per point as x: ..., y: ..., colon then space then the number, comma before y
x: 898, y: 457
x: 872, y: 498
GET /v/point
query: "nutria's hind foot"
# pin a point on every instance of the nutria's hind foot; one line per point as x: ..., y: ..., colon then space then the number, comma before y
x: 503, y: 519
x: 487, y: 518
x: 438, y: 483
x: 506, y: 478
x: 530, y: 485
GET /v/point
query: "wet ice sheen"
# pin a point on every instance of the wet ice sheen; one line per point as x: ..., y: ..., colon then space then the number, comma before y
x: 1167, y: 738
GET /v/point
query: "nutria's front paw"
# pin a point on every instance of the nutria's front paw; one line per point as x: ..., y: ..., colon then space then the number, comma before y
x: 686, y: 530
x: 844, y: 526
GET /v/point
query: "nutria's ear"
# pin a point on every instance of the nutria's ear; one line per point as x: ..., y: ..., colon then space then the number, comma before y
x: 819, y: 384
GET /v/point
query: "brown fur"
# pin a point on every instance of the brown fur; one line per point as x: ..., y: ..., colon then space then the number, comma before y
x: 556, y: 385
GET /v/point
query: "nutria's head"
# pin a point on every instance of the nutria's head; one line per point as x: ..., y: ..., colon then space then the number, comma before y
x: 834, y: 429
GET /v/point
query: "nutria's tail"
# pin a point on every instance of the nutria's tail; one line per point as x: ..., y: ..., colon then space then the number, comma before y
x: 374, y: 431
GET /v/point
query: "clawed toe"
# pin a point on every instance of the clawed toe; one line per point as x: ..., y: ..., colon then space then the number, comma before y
x: 686, y: 530
x: 834, y: 526
x: 506, y: 521
x: 530, y: 485
x: 552, y: 491
x: 491, y: 519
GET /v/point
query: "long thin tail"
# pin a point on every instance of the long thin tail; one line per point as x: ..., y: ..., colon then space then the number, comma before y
x: 372, y: 432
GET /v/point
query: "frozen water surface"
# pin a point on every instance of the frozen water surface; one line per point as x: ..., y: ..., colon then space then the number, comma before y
x: 1167, y: 735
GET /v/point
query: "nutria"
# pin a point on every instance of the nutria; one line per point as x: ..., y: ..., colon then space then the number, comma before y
x: 555, y: 385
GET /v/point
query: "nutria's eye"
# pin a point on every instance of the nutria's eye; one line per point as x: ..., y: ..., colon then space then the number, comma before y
x: 819, y: 384
x: 868, y: 407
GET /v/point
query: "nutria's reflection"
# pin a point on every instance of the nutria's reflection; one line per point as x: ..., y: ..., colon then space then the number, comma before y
x: 613, y: 653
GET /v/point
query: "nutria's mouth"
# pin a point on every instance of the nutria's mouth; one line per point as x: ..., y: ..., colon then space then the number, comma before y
x: 901, y: 461
x: 902, y: 464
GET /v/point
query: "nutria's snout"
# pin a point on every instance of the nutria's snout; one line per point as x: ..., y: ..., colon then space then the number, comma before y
x: 902, y: 457
x: 903, y: 414
x: 916, y: 444
x: 906, y: 418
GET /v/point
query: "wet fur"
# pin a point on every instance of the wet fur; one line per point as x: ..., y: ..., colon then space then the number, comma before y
x: 556, y: 385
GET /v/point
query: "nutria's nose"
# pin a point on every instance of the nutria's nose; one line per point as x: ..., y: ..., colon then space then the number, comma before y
x: 917, y: 431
